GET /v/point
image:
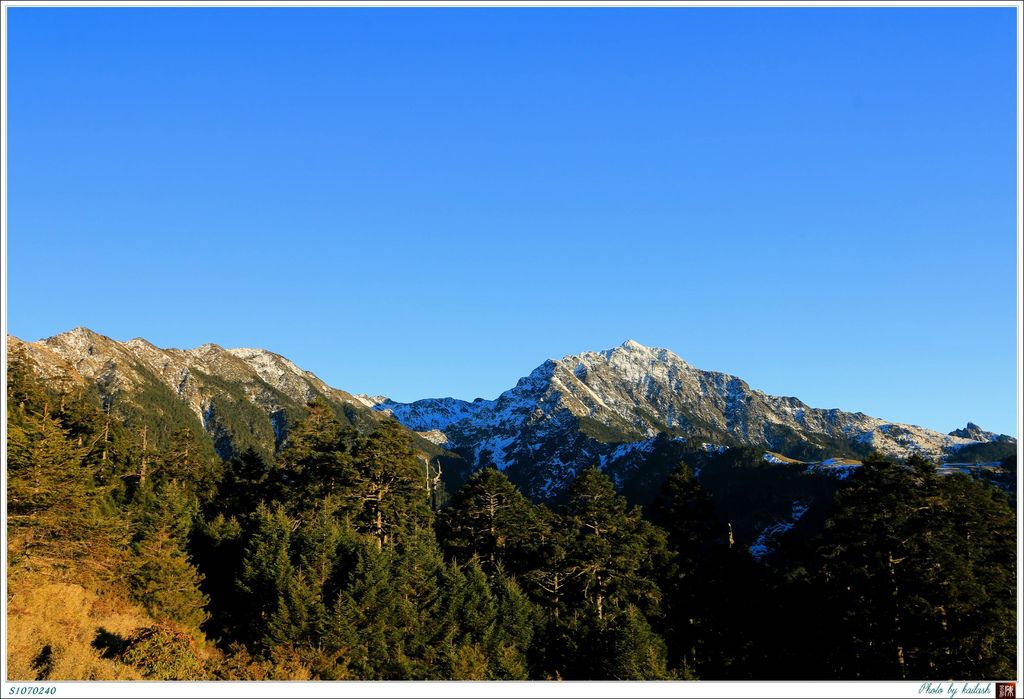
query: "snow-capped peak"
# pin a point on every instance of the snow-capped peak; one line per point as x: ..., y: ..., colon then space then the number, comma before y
x: 633, y: 392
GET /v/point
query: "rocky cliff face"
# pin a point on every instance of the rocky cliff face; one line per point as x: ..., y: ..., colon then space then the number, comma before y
x: 974, y: 433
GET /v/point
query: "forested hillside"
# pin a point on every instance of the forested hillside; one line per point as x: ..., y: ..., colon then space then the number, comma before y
x: 338, y: 556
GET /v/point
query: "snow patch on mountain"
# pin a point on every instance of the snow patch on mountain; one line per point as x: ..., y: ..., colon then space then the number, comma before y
x: 644, y: 446
x: 767, y: 540
x: 627, y: 395
x: 840, y: 469
x: 435, y: 436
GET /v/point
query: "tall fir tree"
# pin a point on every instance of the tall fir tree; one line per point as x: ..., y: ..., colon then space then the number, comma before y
x: 911, y: 575
x: 316, y: 459
x: 613, y: 550
x: 385, y: 489
x: 490, y: 519
x: 163, y: 577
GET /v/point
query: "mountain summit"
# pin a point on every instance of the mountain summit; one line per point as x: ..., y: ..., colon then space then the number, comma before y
x: 582, y: 409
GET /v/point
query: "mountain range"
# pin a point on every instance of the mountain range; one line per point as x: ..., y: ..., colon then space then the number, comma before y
x: 608, y: 408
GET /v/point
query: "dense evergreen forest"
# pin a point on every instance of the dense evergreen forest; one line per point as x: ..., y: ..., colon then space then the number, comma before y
x: 340, y: 557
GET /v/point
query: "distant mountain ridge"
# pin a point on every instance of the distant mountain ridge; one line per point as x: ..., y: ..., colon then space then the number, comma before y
x: 578, y: 410
x: 242, y: 397
x: 602, y: 408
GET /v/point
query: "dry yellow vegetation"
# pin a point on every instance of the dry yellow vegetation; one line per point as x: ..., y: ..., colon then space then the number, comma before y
x: 55, y: 631
x: 60, y: 630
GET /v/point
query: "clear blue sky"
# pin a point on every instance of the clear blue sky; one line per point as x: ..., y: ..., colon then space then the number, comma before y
x: 432, y: 201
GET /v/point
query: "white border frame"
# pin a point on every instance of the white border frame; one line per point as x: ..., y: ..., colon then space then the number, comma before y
x: 592, y: 690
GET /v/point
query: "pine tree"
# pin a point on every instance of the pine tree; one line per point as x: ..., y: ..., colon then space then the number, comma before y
x: 911, y: 575
x: 316, y: 461
x: 637, y: 653
x: 385, y: 489
x: 188, y: 464
x: 516, y: 622
x: 216, y: 549
x: 266, y: 573
x: 24, y: 390
x: 551, y: 573
x: 163, y: 577
x: 249, y: 479
x: 703, y: 581
x: 613, y: 547
x: 469, y: 610
x: 59, y: 518
x: 45, y: 469
x: 490, y: 519
x: 371, y: 619
x: 687, y: 514
x: 109, y: 450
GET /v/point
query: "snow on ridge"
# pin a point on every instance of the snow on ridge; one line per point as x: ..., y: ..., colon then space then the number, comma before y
x: 495, y: 447
x: 644, y: 446
x: 430, y: 413
x: 836, y: 468
x: 369, y: 401
x: 268, y: 366
x: 649, y: 389
x: 279, y: 372
x: 766, y: 540
x: 436, y: 436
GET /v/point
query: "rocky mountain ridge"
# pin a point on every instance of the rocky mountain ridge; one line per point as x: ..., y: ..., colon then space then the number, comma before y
x: 242, y: 397
x: 578, y: 409
x: 604, y: 408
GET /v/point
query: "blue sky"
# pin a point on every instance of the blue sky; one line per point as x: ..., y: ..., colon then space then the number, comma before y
x: 427, y: 202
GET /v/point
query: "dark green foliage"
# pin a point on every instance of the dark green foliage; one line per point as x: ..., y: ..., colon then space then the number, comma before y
x: 162, y: 577
x: 317, y: 458
x: 687, y: 513
x: 385, y: 489
x: 266, y: 571
x: 389, y: 615
x: 713, y: 590
x: 216, y: 547
x: 516, y: 623
x: 249, y: 479
x: 613, y: 549
x: 750, y: 494
x: 187, y: 465
x: 62, y: 517
x: 312, y: 551
x: 637, y: 653
x: 914, y: 574
x: 986, y: 451
x: 24, y: 391
x: 490, y: 519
